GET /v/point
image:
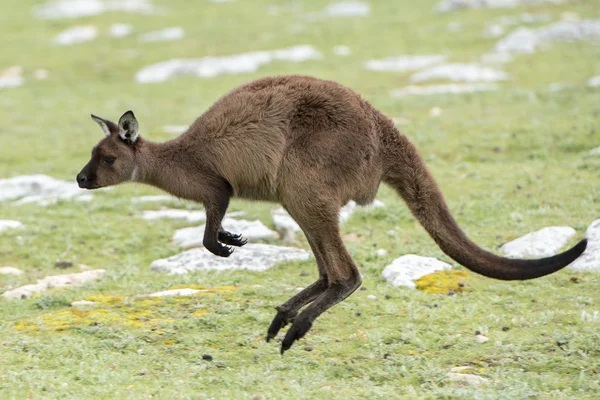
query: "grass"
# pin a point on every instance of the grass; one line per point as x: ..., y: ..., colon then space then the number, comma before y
x: 509, y: 162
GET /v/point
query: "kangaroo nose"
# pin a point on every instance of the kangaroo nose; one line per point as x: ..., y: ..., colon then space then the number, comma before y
x: 81, y: 179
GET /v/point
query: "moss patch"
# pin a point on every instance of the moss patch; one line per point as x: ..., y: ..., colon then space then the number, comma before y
x: 443, y: 282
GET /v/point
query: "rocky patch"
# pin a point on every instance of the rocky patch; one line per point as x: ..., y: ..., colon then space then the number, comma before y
x: 251, y: 230
x: 76, y: 34
x: 590, y: 259
x: 451, y: 88
x: 9, y: 224
x: 11, y: 77
x: 525, y: 40
x: 404, y: 63
x: 453, y: 5
x: 53, y: 282
x: 252, y: 257
x: 543, y: 243
x: 460, y: 73
x: 404, y: 270
x: 209, y: 67
x: 10, y: 271
x: 86, y: 8
x: 40, y: 189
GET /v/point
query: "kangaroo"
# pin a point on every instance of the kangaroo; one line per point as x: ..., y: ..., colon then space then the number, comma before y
x: 311, y: 145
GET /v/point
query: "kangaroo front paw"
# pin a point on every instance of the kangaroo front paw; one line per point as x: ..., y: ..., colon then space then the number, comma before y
x: 218, y: 249
x: 232, y: 239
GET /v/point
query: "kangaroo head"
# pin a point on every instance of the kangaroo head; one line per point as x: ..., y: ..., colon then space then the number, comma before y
x: 113, y: 158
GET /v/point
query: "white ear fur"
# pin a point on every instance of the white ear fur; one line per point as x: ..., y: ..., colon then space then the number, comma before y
x: 128, y: 127
x: 102, y: 124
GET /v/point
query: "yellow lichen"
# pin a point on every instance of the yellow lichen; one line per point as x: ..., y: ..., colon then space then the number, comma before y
x: 443, y: 282
x: 116, y: 312
x: 105, y: 299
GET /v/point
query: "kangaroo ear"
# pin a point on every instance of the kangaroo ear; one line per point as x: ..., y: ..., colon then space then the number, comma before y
x: 128, y: 127
x: 104, y: 124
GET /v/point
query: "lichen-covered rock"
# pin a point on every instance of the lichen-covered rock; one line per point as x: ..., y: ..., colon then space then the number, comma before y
x: 443, y: 282
x: 543, y: 243
x: 251, y: 230
x: 252, y: 257
x: 170, y: 213
x: 590, y: 259
x: 473, y: 380
x: 404, y: 270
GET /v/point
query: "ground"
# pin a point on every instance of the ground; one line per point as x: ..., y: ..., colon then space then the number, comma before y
x: 509, y: 162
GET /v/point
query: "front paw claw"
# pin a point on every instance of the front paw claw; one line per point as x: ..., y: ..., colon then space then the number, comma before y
x: 232, y: 239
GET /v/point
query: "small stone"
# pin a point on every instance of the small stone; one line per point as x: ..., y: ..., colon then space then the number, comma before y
x: 372, y: 297
x: 435, y: 112
x: 82, y: 303
x: 505, y: 328
x: 481, y: 339
x: 473, y: 380
x: 63, y: 264
x: 478, y: 332
x: 387, y: 297
x: 363, y: 288
x: 207, y: 357
x: 386, y: 355
x: 308, y: 348
x: 574, y: 279
x: 358, y: 314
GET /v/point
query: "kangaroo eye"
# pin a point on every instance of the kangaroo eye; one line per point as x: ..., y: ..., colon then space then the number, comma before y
x: 108, y: 160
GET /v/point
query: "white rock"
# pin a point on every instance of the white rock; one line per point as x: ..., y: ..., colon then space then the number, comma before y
x: 594, y: 81
x: 453, y: 5
x: 173, y: 33
x: 341, y: 50
x: 450, y: 88
x: 191, y: 216
x: 175, y: 129
x: 10, y: 271
x: 176, y: 292
x: 351, y: 206
x: 40, y: 189
x: 9, y: 224
x: 209, y: 67
x: 251, y: 230
x: 152, y: 199
x: 470, y: 379
x: 435, y: 112
x: 82, y: 303
x: 404, y: 63
x: 120, y: 30
x: 11, y: 77
x: 283, y: 221
x: 481, y: 338
x: 460, y: 72
x: 496, y: 58
x: 252, y: 257
x: 348, y: 9
x: 590, y: 259
x: 543, y: 243
x: 41, y: 74
x: 52, y: 282
x: 76, y: 34
x: 595, y: 151
x: 493, y: 30
x: 524, y: 40
x: 371, y: 296
x: 405, y: 270
x: 381, y: 252
x: 86, y: 8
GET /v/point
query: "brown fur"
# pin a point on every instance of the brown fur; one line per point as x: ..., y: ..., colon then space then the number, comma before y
x: 311, y: 145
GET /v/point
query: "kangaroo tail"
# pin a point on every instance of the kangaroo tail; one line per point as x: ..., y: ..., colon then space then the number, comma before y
x: 406, y: 172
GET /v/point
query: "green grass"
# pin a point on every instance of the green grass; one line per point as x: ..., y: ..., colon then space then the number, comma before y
x: 509, y: 162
